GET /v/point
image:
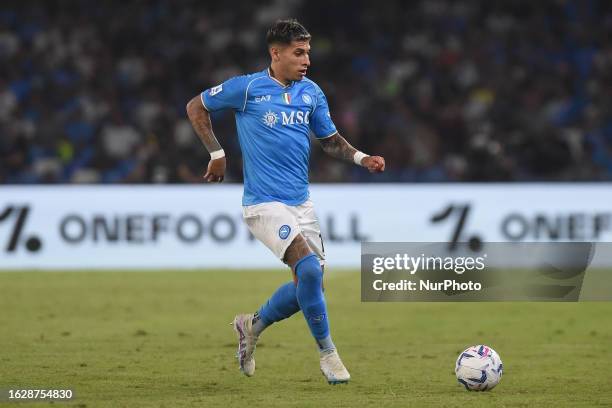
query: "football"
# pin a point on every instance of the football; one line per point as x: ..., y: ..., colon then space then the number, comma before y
x: 478, y: 368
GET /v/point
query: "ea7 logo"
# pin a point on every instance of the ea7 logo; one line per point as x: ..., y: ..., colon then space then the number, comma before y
x: 216, y: 90
x: 265, y: 98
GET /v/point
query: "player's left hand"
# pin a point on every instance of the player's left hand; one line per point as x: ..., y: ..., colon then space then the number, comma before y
x: 375, y: 164
x: 216, y: 171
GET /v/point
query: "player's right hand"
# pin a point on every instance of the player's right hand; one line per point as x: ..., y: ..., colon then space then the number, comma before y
x: 216, y: 171
x: 375, y: 164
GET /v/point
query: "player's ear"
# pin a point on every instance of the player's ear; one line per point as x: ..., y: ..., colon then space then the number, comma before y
x: 274, y: 53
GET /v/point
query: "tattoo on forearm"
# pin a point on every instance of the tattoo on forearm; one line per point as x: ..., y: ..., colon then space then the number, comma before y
x: 337, y: 146
x: 200, y: 120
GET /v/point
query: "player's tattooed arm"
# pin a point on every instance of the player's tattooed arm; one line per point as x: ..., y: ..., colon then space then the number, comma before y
x: 200, y: 120
x: 337, y: 146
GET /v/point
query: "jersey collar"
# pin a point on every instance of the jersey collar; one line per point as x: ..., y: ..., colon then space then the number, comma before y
x: 277, y: 81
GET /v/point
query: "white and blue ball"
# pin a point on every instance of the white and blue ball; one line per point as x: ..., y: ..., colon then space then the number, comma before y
x: 479, y: 368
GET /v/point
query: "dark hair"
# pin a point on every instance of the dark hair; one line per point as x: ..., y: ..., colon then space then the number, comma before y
x: 286, y: 31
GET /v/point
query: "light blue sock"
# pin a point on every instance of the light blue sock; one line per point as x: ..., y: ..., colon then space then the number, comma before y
x: 281, y: 305
x: 311, y: 300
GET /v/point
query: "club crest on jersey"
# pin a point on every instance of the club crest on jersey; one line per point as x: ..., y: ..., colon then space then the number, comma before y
x: 284, y: 231
x: 307, y: 99
x: 270, y: 118
x: 287, y: 98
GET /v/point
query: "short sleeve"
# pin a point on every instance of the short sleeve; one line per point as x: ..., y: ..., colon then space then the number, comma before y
x: 321, y: 123
x: 231, y: 94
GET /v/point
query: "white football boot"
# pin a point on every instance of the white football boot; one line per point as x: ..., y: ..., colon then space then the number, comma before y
x: 333, y: 369
x: 247, y: 341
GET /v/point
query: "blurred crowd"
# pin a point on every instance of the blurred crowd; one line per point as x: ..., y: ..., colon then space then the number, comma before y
x: 466, y: 90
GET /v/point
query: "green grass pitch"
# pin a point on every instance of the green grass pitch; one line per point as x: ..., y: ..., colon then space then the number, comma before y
x: 163, y: 339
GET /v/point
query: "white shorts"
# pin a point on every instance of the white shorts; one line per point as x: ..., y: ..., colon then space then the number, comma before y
x: 277, y: 224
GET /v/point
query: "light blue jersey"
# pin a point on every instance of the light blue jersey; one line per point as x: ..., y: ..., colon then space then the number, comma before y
x: 274, y: 123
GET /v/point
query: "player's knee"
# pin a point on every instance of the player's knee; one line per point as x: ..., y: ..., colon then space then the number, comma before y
x: 296, y: 251
x: 308, y: 269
